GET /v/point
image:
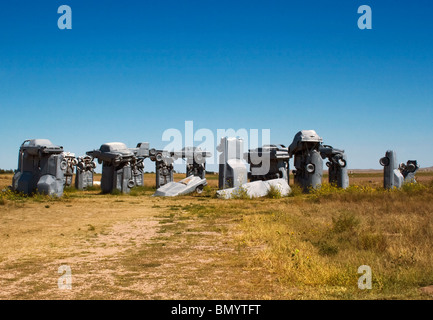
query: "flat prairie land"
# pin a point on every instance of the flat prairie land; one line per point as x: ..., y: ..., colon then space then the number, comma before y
x: 197, y: 246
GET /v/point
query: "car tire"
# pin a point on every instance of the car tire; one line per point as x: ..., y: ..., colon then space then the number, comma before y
x: 384, y: 161
x: 199, y: 189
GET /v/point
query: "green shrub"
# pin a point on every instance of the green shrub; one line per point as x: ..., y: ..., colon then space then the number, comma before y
x: 274, y: 193
x: 240, y: 193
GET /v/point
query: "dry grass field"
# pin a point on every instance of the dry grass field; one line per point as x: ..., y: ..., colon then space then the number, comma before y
x: 199, y: 247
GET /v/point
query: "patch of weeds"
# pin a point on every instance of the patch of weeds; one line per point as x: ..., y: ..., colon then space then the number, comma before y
x: 141, y: 190
x: 413, y: 188
x: 325, y: 190
x: 274, y: 192
x: 199, y: 210
x: 93, y: 188
x: 70, y: 189
x: 343, y: 234
x: 170, y: 216
x: 372, y: 241
x: 240, y: 193
x: 168, y: 219
x: 208, y: 192
x: 353, y: 193
x: 346, y: 221
x: 40, y: 197
x: 14, y: 196
x: 404, y: 259
x: 296, y: 191
x: 327, y: 249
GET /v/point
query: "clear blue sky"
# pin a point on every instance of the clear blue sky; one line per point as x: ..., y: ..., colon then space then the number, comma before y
x: 128, y: 70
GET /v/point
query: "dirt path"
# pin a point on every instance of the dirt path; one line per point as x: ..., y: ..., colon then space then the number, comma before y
x: 85, y: 234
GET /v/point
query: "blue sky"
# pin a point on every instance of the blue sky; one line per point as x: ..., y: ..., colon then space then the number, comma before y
x: 128, y: 70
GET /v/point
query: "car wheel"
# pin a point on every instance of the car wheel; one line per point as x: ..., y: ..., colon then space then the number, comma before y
x: 310, y: 168
x: 199, y: 189
x: 384, y: 161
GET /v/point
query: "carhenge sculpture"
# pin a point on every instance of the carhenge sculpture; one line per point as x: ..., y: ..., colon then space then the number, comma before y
x: 71, y: 162
x: 163, y: 166
x: 408, y: 170
x: 308, y: 153
x: 164, y: 160
x: 122, y: 167
x: 269, y: 170
x: 337, y: 166
x: 307, y: 159
x: 195, y: 160
x: 268, y: 162
x: 395, y: 175
x: 232, y: 169
x: 84, y: 173
x: 392, y: 177
x: 41, y: 168
x: 195, y: 173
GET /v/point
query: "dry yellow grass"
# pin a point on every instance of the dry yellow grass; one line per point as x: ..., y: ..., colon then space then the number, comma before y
x: 316, y: 245
x: 199, y: 247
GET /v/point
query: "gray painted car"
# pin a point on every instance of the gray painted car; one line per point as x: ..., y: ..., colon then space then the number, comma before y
x: 184, y: 186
